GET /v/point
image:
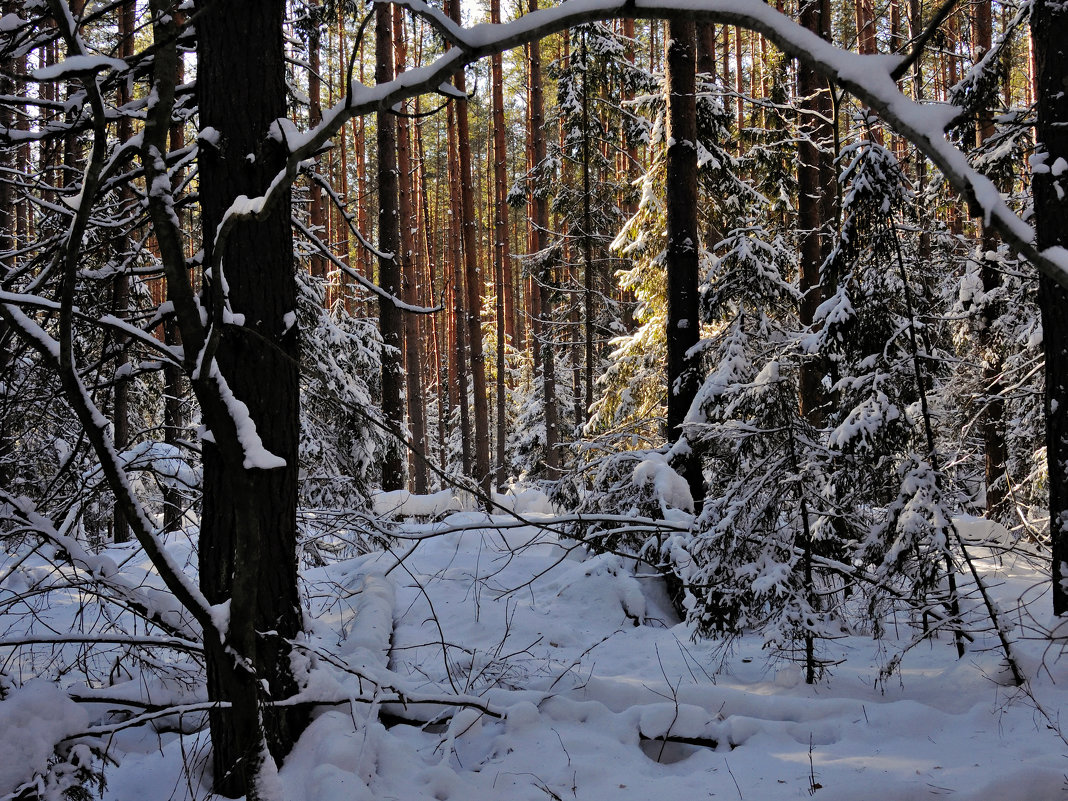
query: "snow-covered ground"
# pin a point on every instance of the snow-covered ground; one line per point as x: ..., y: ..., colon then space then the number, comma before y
x: 591, y: 689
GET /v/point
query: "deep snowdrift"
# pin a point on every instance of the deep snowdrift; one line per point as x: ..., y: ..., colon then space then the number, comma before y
x: 590, y: 688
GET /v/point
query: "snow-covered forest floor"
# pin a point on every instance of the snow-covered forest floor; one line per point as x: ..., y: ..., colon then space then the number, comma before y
x: 583, y: 683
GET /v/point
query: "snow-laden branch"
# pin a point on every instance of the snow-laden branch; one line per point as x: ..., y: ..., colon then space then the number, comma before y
x: 871, y: 78
x: 101, y: 570
x: 57, y: 355
x: 107, y: 321
x: 142, y: 641
x: 359, y: 278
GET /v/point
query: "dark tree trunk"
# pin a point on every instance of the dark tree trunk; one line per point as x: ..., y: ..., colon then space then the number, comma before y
x: 683, y: 321
x: 172, y: 427
x: 916, y: 26
x: 8, y: 240
x: 173, y: 385
x: 413, y: 346
x: 248, y: 531
x: 993, y: 423
x: 1049, y: 32
x: 582, y: 409
x: 317, y: 207
x: 543, y: 269
x: 121, y: 401
x: 389, y: 270
x: 814, y: 192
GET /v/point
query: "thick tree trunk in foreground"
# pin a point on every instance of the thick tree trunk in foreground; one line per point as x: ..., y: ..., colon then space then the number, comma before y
x: 683, y: 322
x: 248, y: 532
x: 1049, y: 32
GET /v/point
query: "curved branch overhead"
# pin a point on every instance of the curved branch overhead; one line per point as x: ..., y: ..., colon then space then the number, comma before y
x: 870, y: 78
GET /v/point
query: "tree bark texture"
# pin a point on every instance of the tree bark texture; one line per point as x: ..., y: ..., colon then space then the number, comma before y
x: 248, y: 532
x: 995, y: 449
x: 121, y: 398
x: 501, y: 250
x: 458, y: 354
x: 815, y: 191
x: 413, y: 345
x: 389, y: 269
x: 317, y: 205
x: 1049, y: 32
x: 542, y: 268
x: 683, y: 321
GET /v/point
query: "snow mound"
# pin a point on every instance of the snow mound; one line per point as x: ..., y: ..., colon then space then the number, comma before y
x: 33, y: 719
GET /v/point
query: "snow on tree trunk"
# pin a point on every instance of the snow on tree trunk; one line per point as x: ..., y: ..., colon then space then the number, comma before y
x: 683, y: 323
x: 248, y: 533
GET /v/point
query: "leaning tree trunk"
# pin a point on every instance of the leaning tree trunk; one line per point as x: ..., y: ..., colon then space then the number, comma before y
x: 683, y: 322
x: 248, y: 531
x: 1049, y: 32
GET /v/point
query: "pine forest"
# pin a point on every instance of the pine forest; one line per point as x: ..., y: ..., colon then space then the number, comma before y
x: 592, y: 399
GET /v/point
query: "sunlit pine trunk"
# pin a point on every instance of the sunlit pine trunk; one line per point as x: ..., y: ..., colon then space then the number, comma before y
x: 413, y: 346
x: 473, y: 280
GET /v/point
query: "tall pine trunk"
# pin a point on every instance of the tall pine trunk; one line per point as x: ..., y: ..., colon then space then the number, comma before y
x: 473, y: 281
x: 683, y: 321
x: 542, y: 268
x: 389, y: 269
x: 993, y: 422
x: 815, y: 190
x: 317, y: 205
x: 120, y: 417
x: 248, y: 534
x: 501, y: 250
x: 413, y: 346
